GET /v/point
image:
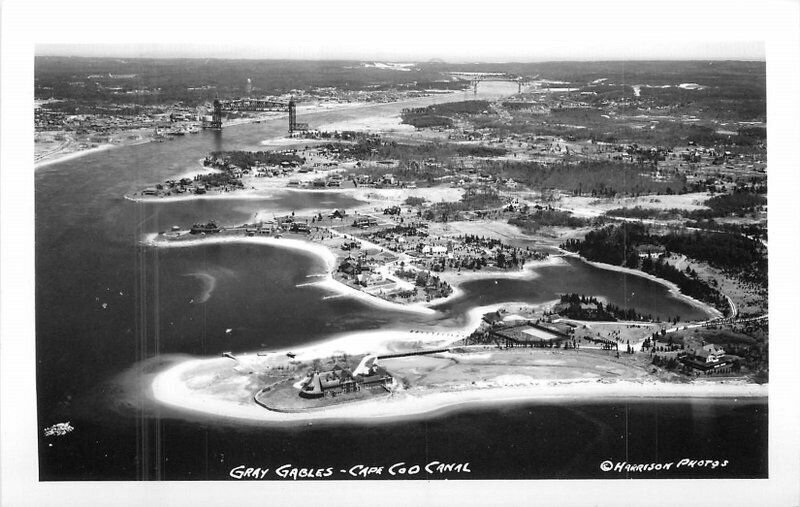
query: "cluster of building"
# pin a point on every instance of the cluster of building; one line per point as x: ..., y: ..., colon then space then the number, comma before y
x: 182, y: 186
x: 442, y: 253
x: 340, y: 381
x: 46, y: 119
x: 370, y: 271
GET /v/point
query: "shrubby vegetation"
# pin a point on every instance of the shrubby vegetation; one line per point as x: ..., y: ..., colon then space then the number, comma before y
x: 439, y: 115
x: 614, y: 244
x: 601, y: 178
x: 731, y: 252
x: 532, y: 222
x: 756, y: 231
x: 580, y: 307
x: 219, y: 180
x: 739, y: 203
x: 373, y: 148
x: 474, y: 199
x: 649, y: 213
x: 617, y: 244
x: 246, y: 159
x: 689, y: 285
x: 415, y: 201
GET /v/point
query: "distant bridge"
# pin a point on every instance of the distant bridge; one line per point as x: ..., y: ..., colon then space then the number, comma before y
x: 476, y: 77
x: 509, y: 78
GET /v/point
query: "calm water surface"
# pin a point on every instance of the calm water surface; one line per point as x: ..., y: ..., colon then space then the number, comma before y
x: 105, y: 302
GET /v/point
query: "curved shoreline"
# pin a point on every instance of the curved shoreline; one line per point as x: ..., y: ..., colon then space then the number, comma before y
x: 306, y: 246
x: 527, y: 273
x: 673, y: 288
x: 57, y: 159
x: 169, y: 388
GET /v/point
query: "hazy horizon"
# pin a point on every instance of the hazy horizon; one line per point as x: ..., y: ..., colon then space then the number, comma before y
x: 413, y: 30
x: 741, y: 51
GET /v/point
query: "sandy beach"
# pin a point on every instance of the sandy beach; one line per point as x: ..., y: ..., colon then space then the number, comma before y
x: 171, y: 388
x: 81, y: 153
x: 182, y: 386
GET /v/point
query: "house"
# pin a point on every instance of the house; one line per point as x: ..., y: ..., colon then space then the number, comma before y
x: 300, y: 227
x: 647, y: 250
x: 709, y: 353
x: 339, y: 381
x: 493, y: 318
x: 364, y: 222
x: 349, y: 266
x: 435, y: 249
x: 709, y: 359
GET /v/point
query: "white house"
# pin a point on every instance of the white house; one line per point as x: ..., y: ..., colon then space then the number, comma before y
x: 711, y: 353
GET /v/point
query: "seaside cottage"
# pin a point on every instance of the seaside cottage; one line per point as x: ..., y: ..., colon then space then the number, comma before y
x: 709, y: 360
x: 710, y: 353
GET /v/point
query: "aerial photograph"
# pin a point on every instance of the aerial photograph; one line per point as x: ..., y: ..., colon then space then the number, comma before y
x: 444, y: 267
x: 321, y: 254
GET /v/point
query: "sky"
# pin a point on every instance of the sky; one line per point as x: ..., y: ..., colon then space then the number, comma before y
x: 740, y: 50
x: 413, y: 30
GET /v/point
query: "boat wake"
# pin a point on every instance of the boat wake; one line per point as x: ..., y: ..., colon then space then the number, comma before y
x: 209, y: 283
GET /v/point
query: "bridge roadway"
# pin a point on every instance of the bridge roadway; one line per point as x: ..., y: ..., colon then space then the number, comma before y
x: 248, y: 104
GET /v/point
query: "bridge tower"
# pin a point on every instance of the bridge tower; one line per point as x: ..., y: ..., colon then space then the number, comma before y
x: 292, y: 116
x: 216, y: 116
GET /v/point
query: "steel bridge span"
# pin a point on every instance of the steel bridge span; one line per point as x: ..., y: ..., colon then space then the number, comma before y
x: 521, y: 81
x: 255, y: 105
